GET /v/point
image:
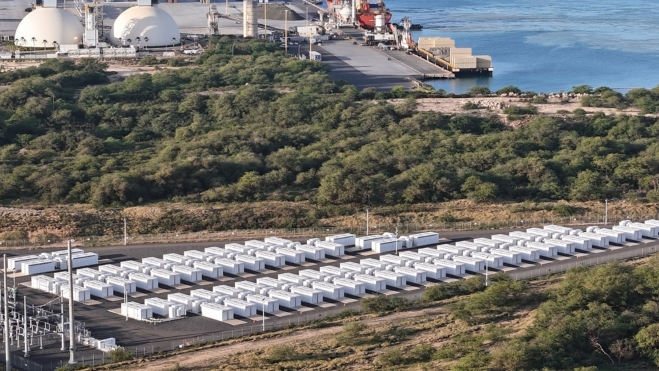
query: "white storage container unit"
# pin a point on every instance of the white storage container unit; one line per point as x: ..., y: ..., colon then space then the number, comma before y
x: 165, y: 277
x: 377, y: 264
x: 271, y: 258
x: 509, y: 257
x: 114, y: 270
x: 525, y: 236
x: 614, y: 236
x: 350, y: 287
x: 558, y: 229
x: 355, y: 267
x: 216, y: 252
x: 316, y: 275
x: 338, y: 272
x: 332, y: 248
x: 424, y: 239
x: 229, y: 291
x: 143, y: 281
x: 260, y: 245
x: 159, y: 306
x: 46, y: 284
x: 136, y: 311
x: 241, y: 307
x: 206, y: 295
x: 263, y: 303
x: 157, y: 263
x: 630, y: 232
x: 431, y: 252
x: 13, y: 263
x: 216, y: 311
x: 597, y: 239
x: 273, y: 282
x: 64, y: 276
x: 540, y: 232
x: 329, y: 290
x: 488, y: 242
x: 647, y: 230
x: 391, y: 278
x: 230, y: 266
x: 545, y: 250
x: 311, y: 252
x: 654, y: 222
x: 452, y: 267
x: 277, y: 241
x: 98, y: 288
x: 198, y: 255
x: 564, y: 247
x: 412, y: 275
x: 178, y: 259
x: 431, y: 270
x: 364, y: 242
x: 209, y: 270
x: 250, y: 262
x: 286, y: 299
x: 471, y: 264
x: 527, y: 253
x: 238, y: 248
x: 31, y: 267
x: 83, y: 259
x: 452, y: 249
x: 120, y: 284
x: 191, y: 304
x: 252, y: 287
x: 136, y: 266
x: 371, y: 283
x: 291, y: 255
x: 505, y: 239
x: 92, y: 274
x: 492, y: 261
x: 345, y: 239
x: 292, y: 278
x: 63, y: 253
x: 396, y: 260
x: 386, y: 245
x: 312, y: 241
x: 308, y: 295
x: 80, y: 293
x: 580, y: 243
x: 470, y: 245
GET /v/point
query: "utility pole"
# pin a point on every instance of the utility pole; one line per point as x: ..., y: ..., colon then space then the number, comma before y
x: 263, y: 312
x: 125, y: 233
x: 72, y: 339
x: 27, y: 349
x: 61, y: 302
x: 286, y: 31
x: 606, y: 211
x: 226, y: 10
x: 265, y: 24
x: 367, y: 222
x: 6, y: 310
x: 487, y: 276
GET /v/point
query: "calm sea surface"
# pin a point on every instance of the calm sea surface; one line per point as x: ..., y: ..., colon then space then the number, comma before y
x: 547, y: 45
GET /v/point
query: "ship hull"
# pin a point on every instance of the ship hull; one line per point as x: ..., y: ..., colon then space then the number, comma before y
x: 367, y: 21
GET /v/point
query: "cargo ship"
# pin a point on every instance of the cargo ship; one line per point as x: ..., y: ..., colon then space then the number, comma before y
x: 364, y: 12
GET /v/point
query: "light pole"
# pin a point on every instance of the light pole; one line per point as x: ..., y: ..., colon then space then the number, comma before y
x: 27, y: 347
x: 396, y: 236
x: 263, y: 312
x: 125, y: 233
x: 487, y: 277
x: 286, y: 31
x: 126, y: 301
x: 606, y: 211
x: 72, y: 344
x: 265, y: 24
x: 366, y: 219
x: 6, y: 316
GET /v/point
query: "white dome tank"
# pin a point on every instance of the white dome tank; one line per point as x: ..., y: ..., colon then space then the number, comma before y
x: 50, y: 24
x: 154, y: 27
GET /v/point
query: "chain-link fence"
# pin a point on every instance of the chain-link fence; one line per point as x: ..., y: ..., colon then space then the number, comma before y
x: 174, y: 237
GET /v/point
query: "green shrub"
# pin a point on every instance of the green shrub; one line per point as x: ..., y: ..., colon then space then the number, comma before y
x: 517, y: 110
x: 120, y: 355
x: 444, y: 353
x: 474, y: 361
x: 563, y: 210
x: 422, y: 353
x: 539, y: 99
x: 149, y: 60
x: 475, y: 91
x: 392, y: 357
x: 448, y: 218
x: 652, y: 196
x: 383, y: 304
x: 280, y: 353
x: 509, y: 89
x: 470, y: 106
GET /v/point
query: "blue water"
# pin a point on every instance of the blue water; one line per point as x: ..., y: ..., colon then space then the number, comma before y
x: 547, y: 45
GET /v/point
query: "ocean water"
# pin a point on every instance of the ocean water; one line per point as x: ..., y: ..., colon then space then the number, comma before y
x: 547, y: 45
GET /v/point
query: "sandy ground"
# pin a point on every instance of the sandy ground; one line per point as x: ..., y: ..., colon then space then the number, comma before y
x: 212, y: 356
x: 498, y: 104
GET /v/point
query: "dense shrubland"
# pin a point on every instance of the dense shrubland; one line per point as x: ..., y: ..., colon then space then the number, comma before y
x: 247, y: 124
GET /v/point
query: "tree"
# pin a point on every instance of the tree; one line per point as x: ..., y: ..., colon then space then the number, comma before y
x: 478, y: 190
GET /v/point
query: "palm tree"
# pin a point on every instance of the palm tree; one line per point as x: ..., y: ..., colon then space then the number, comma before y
x: 121, y: 40
x: 34, y: 41
x: 146, y: 40
x: 137, y: 40
x: 128, y: 41
x: 173, y: 42
x: 55, y: 45
x: 44, y: 44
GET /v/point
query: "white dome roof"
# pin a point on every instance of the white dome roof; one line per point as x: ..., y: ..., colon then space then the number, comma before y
x: 145, y: 22
x: 50, y: 24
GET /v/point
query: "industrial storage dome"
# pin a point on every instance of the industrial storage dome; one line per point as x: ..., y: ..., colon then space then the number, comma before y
x: 50, y: 24
x: 154, y: 27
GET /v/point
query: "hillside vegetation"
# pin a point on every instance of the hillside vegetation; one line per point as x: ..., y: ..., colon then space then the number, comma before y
x: 247, y: 124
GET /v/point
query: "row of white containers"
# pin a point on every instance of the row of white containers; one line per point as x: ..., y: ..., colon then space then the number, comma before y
x: 388, y: 242
x: 50, y: 262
